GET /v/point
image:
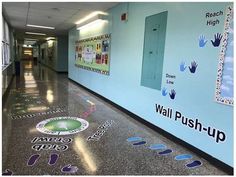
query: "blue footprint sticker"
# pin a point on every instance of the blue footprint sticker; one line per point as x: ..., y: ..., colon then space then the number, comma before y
x: 194, y: 164
x: 136, y: 138
x: 165, y: 152
x: 139, y: 143
x: 157, y: 146
x: 183, y: 157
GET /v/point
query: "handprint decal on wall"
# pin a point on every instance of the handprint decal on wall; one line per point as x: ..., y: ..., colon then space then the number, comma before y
x: 202, y: 41
x: 164, y: 92
x: 193, y: 67
x: 182, y: 66
x: 172, y: 94
x: 218, y: 38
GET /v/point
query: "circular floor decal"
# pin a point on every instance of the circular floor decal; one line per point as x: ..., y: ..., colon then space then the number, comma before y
x: 62, y: 125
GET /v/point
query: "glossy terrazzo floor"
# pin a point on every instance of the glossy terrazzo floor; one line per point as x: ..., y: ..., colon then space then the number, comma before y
x: 105, y: 147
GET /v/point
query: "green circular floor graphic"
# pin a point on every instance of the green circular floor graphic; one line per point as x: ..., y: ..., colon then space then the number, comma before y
x: 62, y: 125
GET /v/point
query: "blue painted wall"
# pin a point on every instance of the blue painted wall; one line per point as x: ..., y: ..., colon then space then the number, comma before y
x: 194, y: 92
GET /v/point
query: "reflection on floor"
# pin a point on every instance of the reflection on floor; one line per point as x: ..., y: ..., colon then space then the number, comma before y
x: 53, y: 127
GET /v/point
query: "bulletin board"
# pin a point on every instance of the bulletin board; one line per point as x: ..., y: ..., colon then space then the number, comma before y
x: 94, y: 54
x: 225, y: 81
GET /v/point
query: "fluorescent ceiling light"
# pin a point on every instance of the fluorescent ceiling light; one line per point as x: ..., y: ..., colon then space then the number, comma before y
x: 50, y: 38
x: 25, y: 45
x: 93, y: 14
x: 38, y: 26
x: 90, y: 24
x: 91, y: 21
x: 41, y: 34
x: 30, y: 39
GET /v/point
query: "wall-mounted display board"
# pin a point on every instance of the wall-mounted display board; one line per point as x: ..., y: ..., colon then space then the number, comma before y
x: 94, y: 54
x: 225, y: 82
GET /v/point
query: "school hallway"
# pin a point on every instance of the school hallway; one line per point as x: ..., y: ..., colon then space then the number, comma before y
x: 117, y: 88
x: 106, y: 147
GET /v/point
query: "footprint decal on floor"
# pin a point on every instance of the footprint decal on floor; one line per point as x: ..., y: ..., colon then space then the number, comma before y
x: 136, y: 138
x: 183, y: 157
x: 165, y: 152
x: 194, y: 164
x: 139, y: 143
x: 7, y: 173
x: 33, y: 159
x: 69, y: 169
x: 53, y: 159
x: 157, y: 146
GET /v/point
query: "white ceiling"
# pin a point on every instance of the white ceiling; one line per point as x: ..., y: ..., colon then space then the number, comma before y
x: 61, y: 15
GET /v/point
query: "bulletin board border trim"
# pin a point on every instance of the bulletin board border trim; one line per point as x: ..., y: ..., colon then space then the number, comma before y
x: 218, y: 97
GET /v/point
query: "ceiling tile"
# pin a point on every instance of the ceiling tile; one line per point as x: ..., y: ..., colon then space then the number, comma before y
x: 44, y: 12
x: 15, y: 4
x: 62, y: 15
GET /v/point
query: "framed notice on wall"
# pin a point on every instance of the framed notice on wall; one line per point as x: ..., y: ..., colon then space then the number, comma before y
x: 225, y: 81
x: 94, y: 54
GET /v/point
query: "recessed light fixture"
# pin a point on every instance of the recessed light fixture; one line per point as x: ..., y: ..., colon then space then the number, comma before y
x: 31, y: 39
x: 25, y: 45
x: 90, y: 24
x: 50, y: 38
x: 38, y: 26
x: 93, y: 14
x: 95, y: 19
x: 41, y: 34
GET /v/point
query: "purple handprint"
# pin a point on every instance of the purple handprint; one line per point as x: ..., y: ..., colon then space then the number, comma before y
x: 69, y: 169
x: 193, y: 67
x: 172, y: 94
x: 218, y: 38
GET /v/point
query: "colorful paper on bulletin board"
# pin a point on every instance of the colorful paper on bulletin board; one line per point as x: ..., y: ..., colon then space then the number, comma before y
x: 94, y: 54
x: 225, y: 80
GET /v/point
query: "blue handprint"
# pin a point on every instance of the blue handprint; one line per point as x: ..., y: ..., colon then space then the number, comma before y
x: 172, y: 94
x: 193, y: 67
x: 182, y: 66
x: 164, y: 92
x: 202, y: 41
x: 218, y: 38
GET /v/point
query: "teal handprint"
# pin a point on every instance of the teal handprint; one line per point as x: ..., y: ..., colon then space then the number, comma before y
x: 182, y: 66
x: 202, y: 41
x: 164, y: 92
